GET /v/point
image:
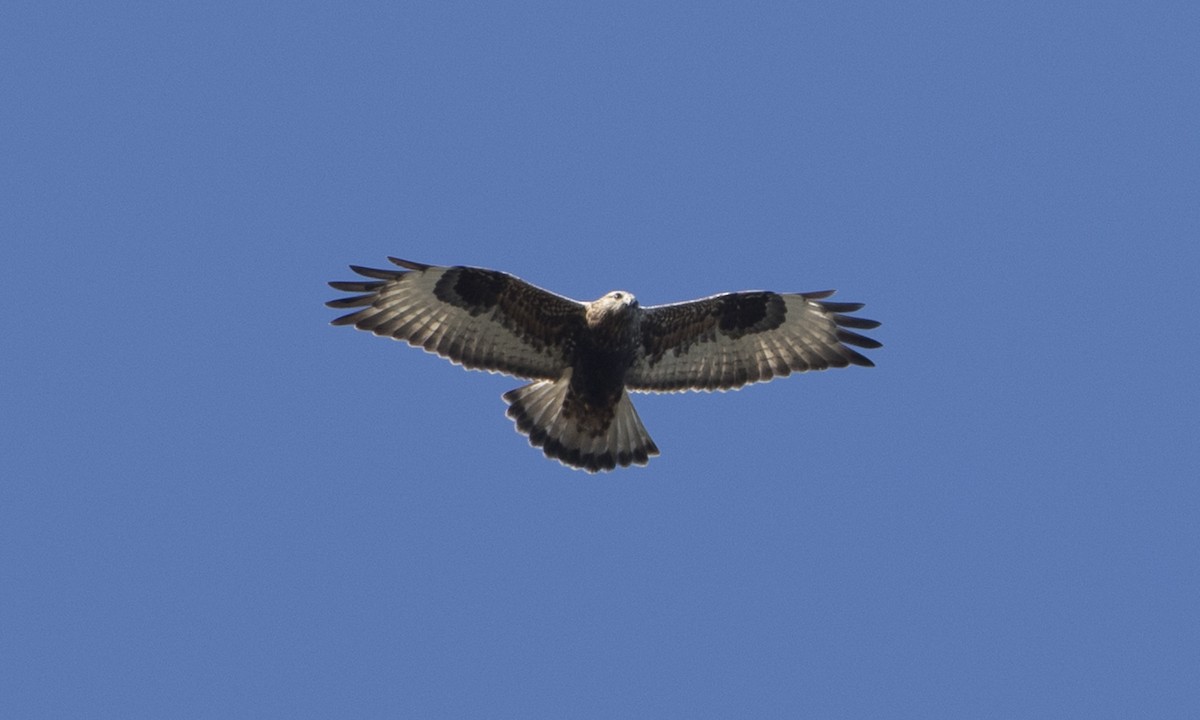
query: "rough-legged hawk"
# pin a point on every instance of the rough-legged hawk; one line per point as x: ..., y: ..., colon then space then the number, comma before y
x: 584, y: 357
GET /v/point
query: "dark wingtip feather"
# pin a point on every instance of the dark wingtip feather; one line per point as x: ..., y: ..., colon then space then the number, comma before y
x: 817, y: 294
x: 348, y: 302
x: 409, y: 264
x: 376, y: 272
x: 855, y: 322
x: 344, y: 319
x: 862, y: 341
x: 857, y: 358
x: 841, y: 307
x: 356, y: 286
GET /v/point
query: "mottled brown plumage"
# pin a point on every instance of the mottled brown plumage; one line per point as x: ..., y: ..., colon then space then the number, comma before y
x: 585, y: 357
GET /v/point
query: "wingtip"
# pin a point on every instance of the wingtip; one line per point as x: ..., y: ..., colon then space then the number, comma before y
x: 817, y: 294
x: 347, y: 319
x: 862, y: 360
x: 862, y: 341
x: 853, y: 321
x: 409, y: 264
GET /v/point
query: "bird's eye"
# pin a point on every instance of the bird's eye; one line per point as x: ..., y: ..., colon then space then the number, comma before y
x: 618, y: 296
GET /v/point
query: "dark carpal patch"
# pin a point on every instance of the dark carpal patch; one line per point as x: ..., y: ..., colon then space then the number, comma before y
x: 473, y: 289
x: 675, y: 329
x: 743, y: 313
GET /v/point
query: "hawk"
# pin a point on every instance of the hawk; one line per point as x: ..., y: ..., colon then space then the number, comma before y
x: 585, y: 357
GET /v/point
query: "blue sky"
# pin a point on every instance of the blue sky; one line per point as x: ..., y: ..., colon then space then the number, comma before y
x: 215, y: 505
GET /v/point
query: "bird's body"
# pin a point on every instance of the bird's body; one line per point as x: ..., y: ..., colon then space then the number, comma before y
x: 584, y: 358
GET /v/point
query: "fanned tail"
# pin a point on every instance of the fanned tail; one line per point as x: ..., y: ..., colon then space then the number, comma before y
x: 600, y: 440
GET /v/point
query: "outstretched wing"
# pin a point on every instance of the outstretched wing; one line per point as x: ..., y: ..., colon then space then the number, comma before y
x: 726, y: 341
x: 481, y: 319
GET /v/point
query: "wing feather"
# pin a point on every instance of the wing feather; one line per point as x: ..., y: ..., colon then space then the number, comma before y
x: 727, y: 341
x: 478, y: 318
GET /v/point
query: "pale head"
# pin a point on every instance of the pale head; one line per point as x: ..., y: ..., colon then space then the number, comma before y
x: 616, y: 304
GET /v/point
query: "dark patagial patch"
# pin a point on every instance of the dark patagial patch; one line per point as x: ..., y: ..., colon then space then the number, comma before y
x: 472, y: 289
x: 743, y: 313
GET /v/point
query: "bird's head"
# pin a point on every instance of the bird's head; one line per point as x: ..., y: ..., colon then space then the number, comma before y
x: 616, y: 304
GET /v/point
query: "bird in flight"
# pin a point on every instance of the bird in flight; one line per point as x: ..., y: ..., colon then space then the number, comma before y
x: 585, y: 357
